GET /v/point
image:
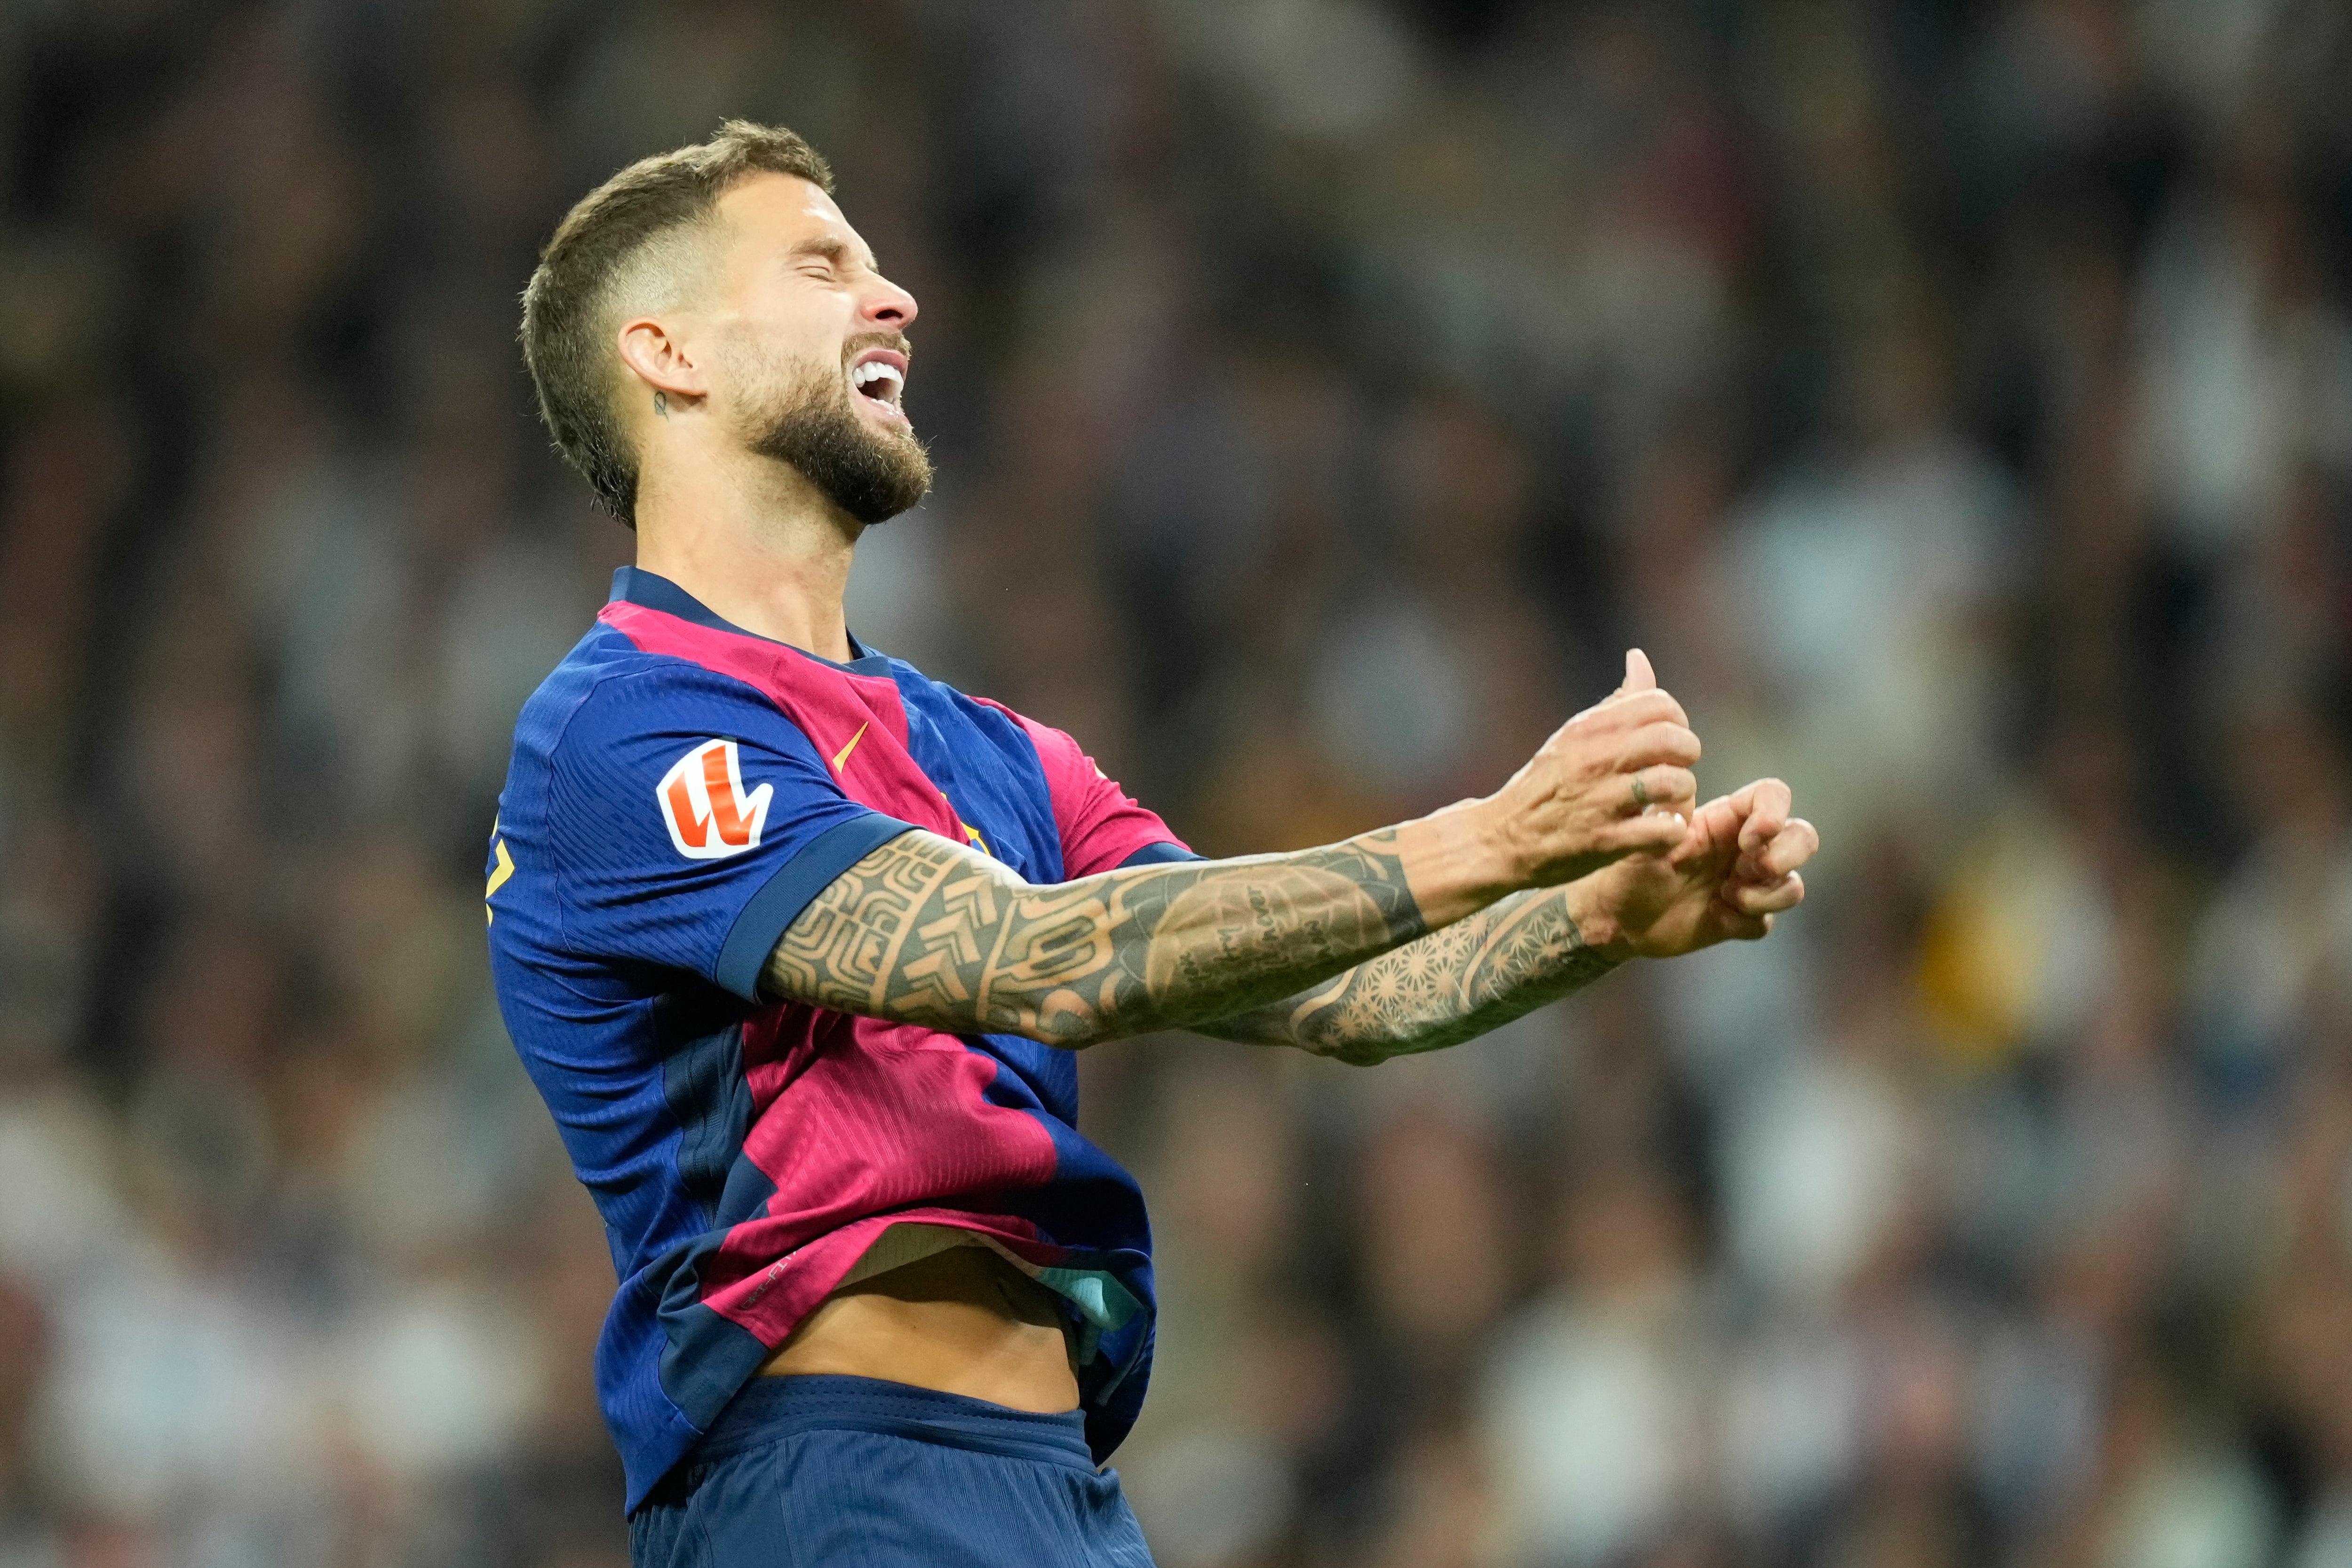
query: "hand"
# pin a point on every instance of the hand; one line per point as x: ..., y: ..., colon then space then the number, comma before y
x: 1613, y: 781
x: 1736, y: 867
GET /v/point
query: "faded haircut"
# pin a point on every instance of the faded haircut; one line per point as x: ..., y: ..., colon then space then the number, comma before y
x: 630, y: 242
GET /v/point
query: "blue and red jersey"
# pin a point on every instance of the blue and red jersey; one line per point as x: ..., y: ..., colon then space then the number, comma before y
x: 680, y: 789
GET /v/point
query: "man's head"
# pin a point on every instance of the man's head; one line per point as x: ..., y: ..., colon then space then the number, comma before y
x: 719, y: 282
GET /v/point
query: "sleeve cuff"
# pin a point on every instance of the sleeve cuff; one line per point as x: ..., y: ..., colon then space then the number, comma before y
x: 1156, y: 854
x: 784, y: 895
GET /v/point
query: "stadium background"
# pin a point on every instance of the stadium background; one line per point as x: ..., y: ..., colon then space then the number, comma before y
x: 1954, y: 397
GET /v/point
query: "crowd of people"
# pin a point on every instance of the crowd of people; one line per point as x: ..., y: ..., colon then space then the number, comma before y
x: 1954, y: 399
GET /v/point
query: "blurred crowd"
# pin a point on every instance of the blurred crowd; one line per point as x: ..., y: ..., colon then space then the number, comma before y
x: 1953, y: 397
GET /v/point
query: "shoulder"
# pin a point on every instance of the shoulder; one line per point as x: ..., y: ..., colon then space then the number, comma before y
x: 985, y: 712
x: 1058, y: 753
x: 609, y: 696
x: 1000, y: 725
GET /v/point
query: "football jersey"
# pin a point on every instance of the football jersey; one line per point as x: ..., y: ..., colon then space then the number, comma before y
x: 680, y: 789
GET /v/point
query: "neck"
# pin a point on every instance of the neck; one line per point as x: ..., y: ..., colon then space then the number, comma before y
x: 753, y: 540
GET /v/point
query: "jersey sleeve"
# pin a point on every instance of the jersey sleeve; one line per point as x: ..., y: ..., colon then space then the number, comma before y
x: 692, y: 821
x: 1102, y: 827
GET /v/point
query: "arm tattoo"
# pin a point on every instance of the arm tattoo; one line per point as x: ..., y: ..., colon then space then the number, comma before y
x: 929, y: 931
x: 1449, y: 986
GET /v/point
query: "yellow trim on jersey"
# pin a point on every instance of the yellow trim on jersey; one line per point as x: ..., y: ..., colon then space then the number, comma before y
x: 497, y: 879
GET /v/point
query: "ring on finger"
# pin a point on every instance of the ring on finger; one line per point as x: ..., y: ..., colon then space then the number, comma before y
x: 1640, y: 794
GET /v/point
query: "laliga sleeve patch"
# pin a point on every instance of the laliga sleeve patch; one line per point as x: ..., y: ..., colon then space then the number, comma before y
x: 704, y: 805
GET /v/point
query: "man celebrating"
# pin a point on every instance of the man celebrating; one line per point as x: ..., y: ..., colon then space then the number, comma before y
x: 797, y: 942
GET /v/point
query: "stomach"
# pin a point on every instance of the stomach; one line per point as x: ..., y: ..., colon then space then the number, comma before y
x: 959, y: 1321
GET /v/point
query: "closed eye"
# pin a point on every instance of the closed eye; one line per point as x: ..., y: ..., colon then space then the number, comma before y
x: 829, y: 258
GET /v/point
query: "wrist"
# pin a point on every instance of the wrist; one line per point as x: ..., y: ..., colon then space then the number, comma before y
x: 1596, y: 922
x: 1457, y: 860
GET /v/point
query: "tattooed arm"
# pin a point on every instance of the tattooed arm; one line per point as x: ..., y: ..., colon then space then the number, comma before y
x: 925, y: 930
x: 929, y: 931
x: 1449, y: 986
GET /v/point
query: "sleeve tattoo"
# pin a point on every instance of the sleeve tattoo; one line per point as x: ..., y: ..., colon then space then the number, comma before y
x: 1446, y: 987
x: 925, y: 930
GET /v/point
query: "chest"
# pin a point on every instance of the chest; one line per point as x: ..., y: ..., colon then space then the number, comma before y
x: 926, y: 755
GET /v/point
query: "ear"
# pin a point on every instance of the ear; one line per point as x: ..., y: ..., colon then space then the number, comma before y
x: 655, y: 354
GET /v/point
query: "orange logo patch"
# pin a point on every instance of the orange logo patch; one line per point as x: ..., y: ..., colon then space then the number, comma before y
x: 704, y: 807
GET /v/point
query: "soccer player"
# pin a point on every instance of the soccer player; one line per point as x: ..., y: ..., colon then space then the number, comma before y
x: 798, y: 943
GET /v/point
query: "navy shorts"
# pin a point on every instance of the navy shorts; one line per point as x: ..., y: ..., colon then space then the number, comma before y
x: 849, y: 1472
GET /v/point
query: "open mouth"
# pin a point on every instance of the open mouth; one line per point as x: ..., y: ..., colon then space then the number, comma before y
x: 880, y: 377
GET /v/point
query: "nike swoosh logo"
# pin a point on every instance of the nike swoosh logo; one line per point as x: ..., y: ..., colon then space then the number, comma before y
x: 842, y: 755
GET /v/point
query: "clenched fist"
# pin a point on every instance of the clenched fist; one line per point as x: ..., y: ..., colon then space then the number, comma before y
x: 1734, y: 866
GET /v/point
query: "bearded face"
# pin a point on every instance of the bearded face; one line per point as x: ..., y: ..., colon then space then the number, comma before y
x: 804, y: 413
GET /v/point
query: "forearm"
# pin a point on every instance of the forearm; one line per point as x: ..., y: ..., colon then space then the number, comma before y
x: 925, y: 930
x: 1448, y: 986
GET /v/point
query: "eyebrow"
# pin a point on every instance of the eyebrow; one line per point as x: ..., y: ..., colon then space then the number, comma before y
x: 833, y: 249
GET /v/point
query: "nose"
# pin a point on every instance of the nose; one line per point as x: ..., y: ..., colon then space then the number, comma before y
x: 888, y: 307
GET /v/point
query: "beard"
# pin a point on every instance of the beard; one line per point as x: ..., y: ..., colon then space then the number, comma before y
x: 806, y: 420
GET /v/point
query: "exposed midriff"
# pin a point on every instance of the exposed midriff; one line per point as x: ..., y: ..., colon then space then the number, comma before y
x: 962, y: 1321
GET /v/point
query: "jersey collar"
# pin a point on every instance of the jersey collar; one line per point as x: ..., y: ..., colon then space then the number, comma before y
x: 635, y: 585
